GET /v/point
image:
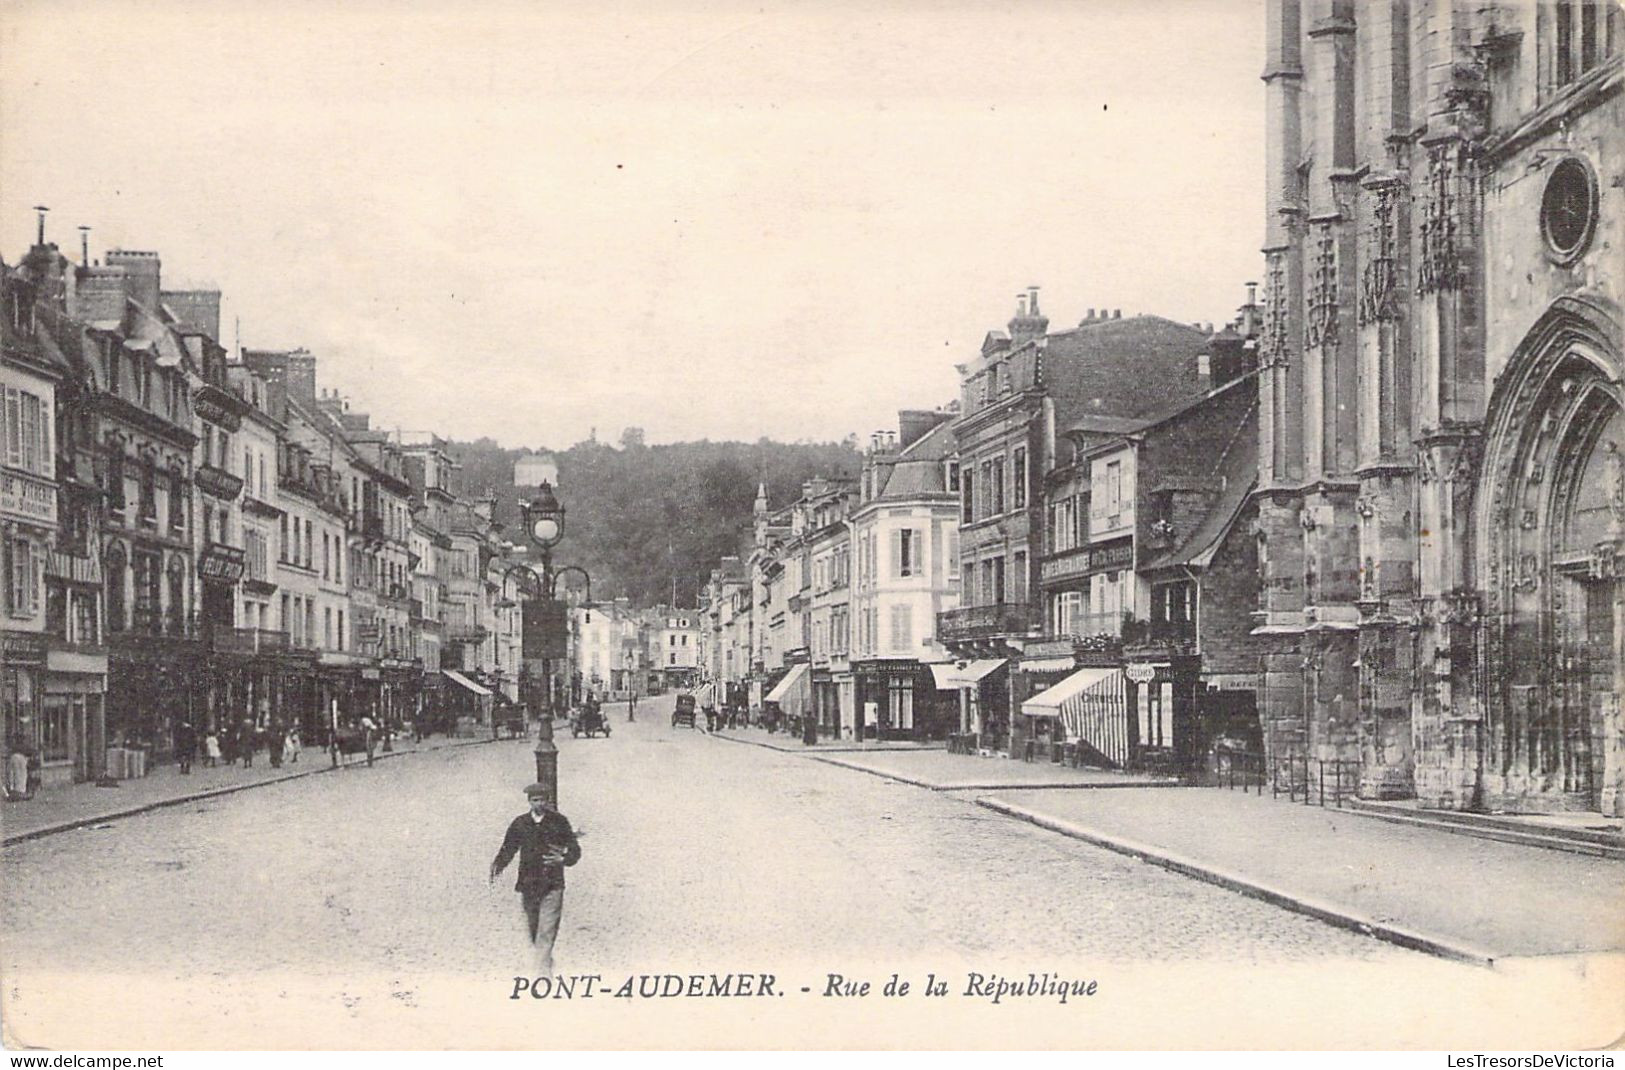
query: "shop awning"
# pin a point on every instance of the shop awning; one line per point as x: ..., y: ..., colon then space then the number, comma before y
x: 706, y: 696
x: 1092, y: 711
x: 1048, y: 702
x: 973, y: 672
x: 792, y: 679
x: 460, y: 679
x: 943, y: 673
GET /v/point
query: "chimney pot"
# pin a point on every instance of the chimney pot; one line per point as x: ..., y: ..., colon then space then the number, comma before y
x: 41, y: 209
x: 1252, y: 293
x: 1117, y: 313
x: 84, y: 245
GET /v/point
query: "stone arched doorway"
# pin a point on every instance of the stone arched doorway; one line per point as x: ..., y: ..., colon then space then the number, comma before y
x: 1550, y: 569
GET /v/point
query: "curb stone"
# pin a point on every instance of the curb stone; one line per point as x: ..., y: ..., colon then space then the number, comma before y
x: 1067, y: 785
x: 210, y: 793
x: 1319, y: 909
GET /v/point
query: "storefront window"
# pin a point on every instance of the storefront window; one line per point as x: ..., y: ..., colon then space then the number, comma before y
x: 54, y: 728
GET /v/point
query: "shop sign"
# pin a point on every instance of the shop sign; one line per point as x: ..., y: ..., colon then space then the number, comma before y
x: 22, y: 647
x: 1107, y: 557
x: 221, y: 563
x: 1049, y: 648
x: 1140, y: 672
x: 545, y: 629
x: 888, y: 668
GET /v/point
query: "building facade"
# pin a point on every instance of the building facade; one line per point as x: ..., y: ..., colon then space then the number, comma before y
x: 1440, y: 508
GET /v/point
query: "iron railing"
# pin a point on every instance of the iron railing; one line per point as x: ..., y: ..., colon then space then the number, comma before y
x: 1289, y: 775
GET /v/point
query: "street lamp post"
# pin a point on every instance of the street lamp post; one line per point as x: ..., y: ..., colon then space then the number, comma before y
x: 544, y: 527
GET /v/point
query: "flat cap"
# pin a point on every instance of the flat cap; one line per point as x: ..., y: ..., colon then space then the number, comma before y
x: 535, y: 789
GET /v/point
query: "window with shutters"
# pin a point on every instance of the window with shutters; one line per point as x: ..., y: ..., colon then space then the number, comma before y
x: 1018, y: 577
x: 23, y: 579
x: 115, y: 476
x: 905, y: 553
x: 902, y: 628
x: 26, y: 432
x: 148, y: 576
x: 113, y: 575
x: 177, y: 500
x: 967, y: 510
x: 1018, y: 474
x: 148, y: 506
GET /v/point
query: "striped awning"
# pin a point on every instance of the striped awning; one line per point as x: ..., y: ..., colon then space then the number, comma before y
x: 463, y: 681
x: 1091, y: 707
x: 706, y: 696
x: 1048, y: 702
x: 794, y: 692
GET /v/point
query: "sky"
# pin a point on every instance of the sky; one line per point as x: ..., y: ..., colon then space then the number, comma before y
x: 536, y: 222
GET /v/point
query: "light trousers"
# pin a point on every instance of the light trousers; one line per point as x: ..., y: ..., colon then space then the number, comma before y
x: 542, y: 913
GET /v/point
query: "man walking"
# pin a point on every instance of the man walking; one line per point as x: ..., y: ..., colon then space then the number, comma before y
x: 545, y: 844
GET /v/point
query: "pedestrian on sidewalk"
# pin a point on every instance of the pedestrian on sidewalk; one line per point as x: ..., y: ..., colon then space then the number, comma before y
x: 246, y: 742
x: 293, y: 744
x: 185, y: 746
x: 17, y: 771
x: 211, y: 749
x: 545, y: 843
x: 275, y: 739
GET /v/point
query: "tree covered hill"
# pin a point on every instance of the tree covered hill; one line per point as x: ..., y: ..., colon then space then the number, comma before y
x: 638, y: 516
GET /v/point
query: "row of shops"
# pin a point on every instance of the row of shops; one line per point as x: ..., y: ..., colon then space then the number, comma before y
x: 1155, y: 714
x: 70, y: 707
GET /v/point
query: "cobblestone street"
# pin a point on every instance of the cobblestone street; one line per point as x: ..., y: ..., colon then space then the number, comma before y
x: 361, y: 896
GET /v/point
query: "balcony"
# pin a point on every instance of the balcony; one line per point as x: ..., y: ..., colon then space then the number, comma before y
x: 316, y: 487
x: 1165, y: 637
x: 217, y: 482
x: 372, y: 527
x: 249, y: 641
x: 982, y: 622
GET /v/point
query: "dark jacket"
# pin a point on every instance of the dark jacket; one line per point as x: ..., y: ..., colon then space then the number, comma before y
x: 531, y: 839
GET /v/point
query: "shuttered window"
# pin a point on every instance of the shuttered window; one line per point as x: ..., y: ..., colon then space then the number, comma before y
x: 902, y: 627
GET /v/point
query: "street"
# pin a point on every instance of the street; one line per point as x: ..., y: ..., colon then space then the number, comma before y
x: 361, y: 897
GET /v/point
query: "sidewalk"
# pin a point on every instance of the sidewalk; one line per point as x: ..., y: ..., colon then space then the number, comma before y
x: 941, y: 771
x: 69, y: 806
x: 792, y: 744
x: 1425, y: 888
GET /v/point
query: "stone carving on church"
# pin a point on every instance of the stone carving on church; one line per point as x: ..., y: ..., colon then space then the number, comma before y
x: 1441, y: 267
x: 1321, y: 326
x: 1377, y: 283
x: 1272, y: 340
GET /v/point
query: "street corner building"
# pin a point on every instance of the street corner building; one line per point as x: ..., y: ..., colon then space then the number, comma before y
x: 1441, y: 492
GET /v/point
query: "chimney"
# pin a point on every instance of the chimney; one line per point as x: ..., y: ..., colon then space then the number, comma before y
x: 142, y: 269
x: 1117, y: 313
x: 1250, y: 312
x: 1028, y: 323
x: 198, y: 311
x: 84, y: 245
x: 39, y: 238
x: 1091, y: 315
x: 98, y: 294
